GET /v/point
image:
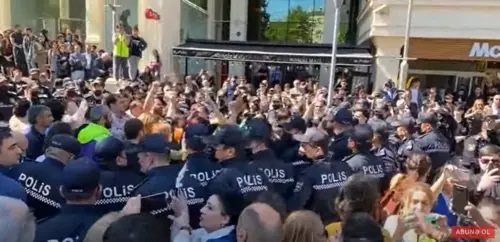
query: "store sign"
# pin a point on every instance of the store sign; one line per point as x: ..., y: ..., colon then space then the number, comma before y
x: 270, y: 58
x: 485, y: 50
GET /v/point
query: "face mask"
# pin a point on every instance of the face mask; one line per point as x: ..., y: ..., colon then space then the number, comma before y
x: 98, y: 92
x: 107, y: 124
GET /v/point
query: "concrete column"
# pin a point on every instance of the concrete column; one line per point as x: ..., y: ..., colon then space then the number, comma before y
x: 5, y: 17
x: 387, y: 62
x: 238, y: 31
x: 64, y: 9
x: 211, y: 9
x: 162, y: 34
x: 95, y: 22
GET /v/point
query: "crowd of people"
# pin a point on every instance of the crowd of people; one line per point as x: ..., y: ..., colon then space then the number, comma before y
x: 166, y: 159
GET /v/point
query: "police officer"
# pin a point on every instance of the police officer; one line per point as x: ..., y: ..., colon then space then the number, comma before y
x: 380, y: 147
x: 280, y: 174
x: 472, y: 145
x: 80, y: 187
x: 288, y: 149
x: 405, y: 139
x: 362, y: 160
x: 198, y: 170
x: 161, y: 175
x: 236, y: 176
x: 432, y: 142
x: 318, y: 186
x: 42, y: 180
x: 119, y: 176
x: 340, y: 121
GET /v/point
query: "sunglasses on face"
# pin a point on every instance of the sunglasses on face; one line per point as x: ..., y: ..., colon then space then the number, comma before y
x: 487, y: 160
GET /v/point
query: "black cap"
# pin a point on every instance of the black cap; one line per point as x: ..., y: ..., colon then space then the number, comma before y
x: 65, y: 142
x: 341, y: 115
x: 259, y: 129
x: 428, y: 117
x: 380, y: 127
x: 193, y: 135
x: 80, y: 176
x: 362, y: 134
x: 108, y: 149
x: 228, y: 135
x: 312, y: 136
x: 155, y: 143
x: 296, y: 123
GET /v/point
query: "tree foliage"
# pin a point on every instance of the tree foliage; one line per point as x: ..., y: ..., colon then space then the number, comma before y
x: 298, y: 26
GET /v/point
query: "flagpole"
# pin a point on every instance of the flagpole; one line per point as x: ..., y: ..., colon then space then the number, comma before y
x: 333, y: 61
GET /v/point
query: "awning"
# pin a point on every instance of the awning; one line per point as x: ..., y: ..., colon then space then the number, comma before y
x: 272, y: 52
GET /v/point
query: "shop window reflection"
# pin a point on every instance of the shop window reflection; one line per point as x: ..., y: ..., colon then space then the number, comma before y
x: 193, y: 26
x: 296, y: 21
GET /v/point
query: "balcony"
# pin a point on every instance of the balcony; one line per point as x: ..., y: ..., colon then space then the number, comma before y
x: 461, y: 19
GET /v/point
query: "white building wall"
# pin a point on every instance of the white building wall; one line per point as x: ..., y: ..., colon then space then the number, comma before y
x: 238, y: 32
x: 384, y: 22
x: 162, y: 34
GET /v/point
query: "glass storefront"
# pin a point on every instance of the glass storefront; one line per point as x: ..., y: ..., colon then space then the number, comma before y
x: 194, y: 24
x: 294, y: 21
x: 53, y: 15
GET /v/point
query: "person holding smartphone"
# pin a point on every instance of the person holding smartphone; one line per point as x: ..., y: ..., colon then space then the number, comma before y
x: 486, y: 183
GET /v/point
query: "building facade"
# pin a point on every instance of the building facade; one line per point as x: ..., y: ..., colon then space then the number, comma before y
x: 299, y: 21
x: 452, y: 42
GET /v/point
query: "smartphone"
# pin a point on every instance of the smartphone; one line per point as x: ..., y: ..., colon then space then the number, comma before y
x: 431, y: 219
x: 154, y: 202
x: 460, y: 199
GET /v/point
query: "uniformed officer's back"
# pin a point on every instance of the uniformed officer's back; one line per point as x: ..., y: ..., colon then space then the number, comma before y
x: 80, y: 187
x: 362, y: 160
x: 198, y: 170
x: 280, y: 174
x: 432, y: 142
x: 237, y: 175
x: 42, y: 180
x: 341, y: 120
x: 287, y: 148
x: 317, y: 187
x: 161, y: 175
x: 118, y: 177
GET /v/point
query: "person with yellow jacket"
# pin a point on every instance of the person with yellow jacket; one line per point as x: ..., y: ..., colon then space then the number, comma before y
x: 120, y: 54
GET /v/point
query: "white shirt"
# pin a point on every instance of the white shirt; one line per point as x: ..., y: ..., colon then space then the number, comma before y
x: 414, y: 95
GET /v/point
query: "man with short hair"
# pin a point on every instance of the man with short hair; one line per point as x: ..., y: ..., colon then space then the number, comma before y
x: 137, y: 45
x: 259, y: 223
x: 42, y: 179
x: 40, y: 118
x: 96, y: 130
x: 80, y: 187
x: 10, y: 154
x: 17, y: 224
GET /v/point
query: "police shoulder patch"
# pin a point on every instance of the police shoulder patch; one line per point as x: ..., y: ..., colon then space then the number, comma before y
x: 298, y: 186
x: 409, y: 146
x: 471, y: 147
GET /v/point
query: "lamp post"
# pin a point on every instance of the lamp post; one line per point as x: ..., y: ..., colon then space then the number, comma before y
x: 403, y: 69
x: 113, y: 8
x: 333, y: 63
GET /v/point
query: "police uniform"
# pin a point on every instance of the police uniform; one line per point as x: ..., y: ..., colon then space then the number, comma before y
x: 383, y: 152
x: 236, y: 175
x: 162, y: 179
x: 318, y: 186
x: 198, y: 170
x: 364, y: 161
x: 280, y: 174
x: 287, y: 149
x: 117, y: 181
x: 433, y: 143
x: 73, y: 221
x: 337, y: 149
x: 42, y: 180
x: 470, y: 154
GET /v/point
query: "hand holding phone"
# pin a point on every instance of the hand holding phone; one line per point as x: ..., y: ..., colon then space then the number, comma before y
x: 460, y: 199
x: 154, y: 202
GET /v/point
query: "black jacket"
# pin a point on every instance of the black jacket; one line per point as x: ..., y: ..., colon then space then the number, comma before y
x: 117, y: 187
x: 137, y: 45
x: 71, y: 224
x: 280, y: 174
x: 318, y: 187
